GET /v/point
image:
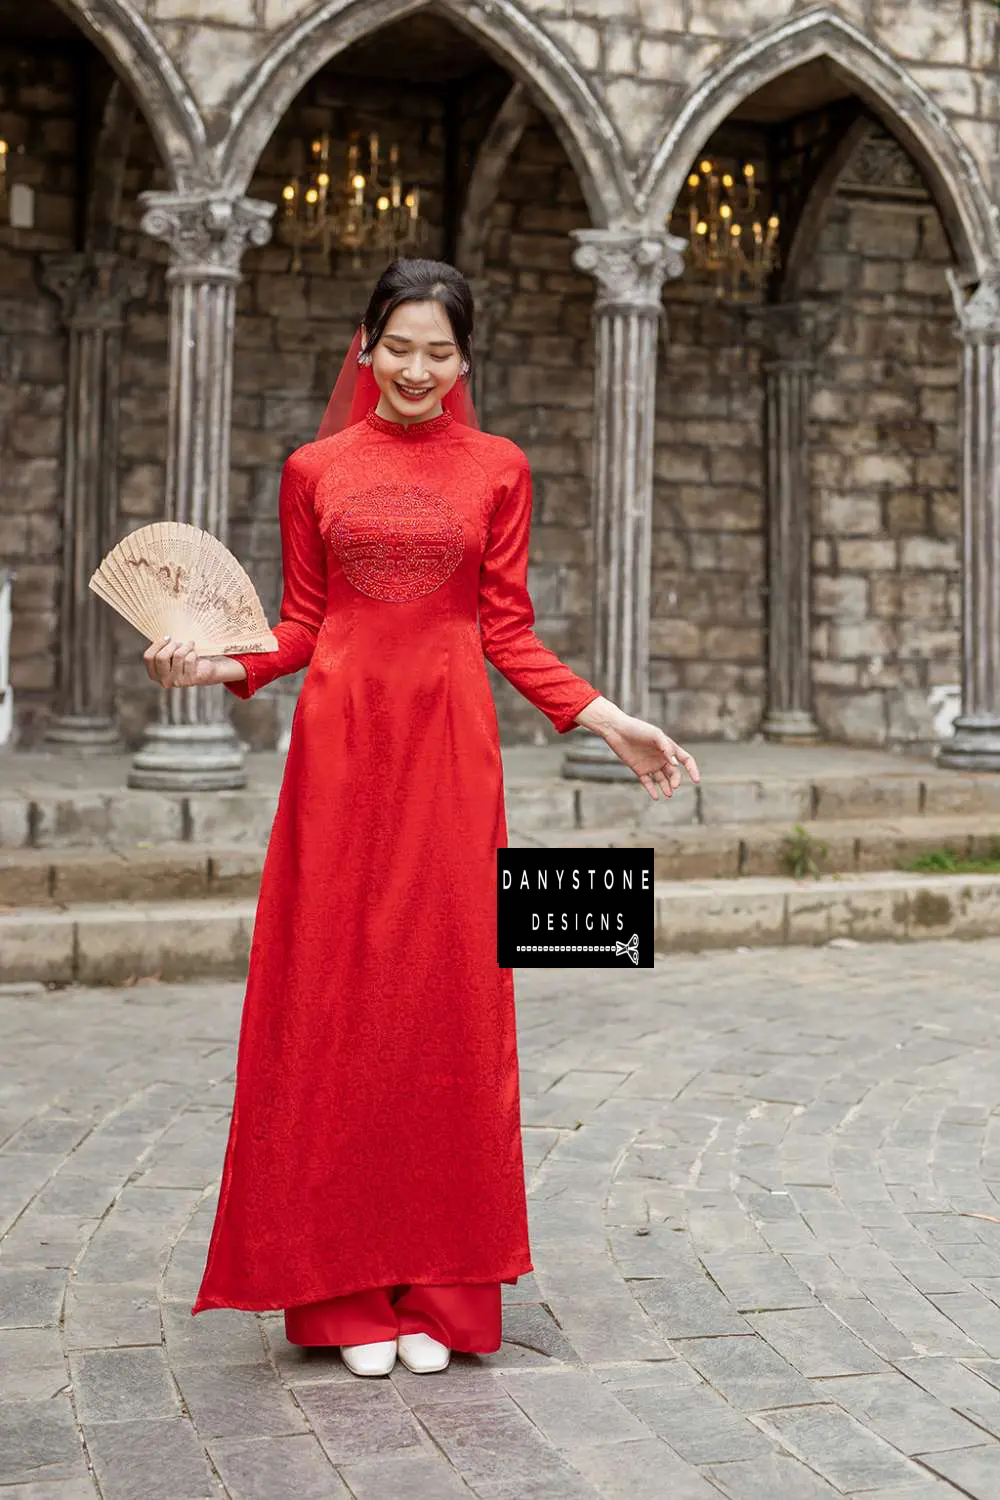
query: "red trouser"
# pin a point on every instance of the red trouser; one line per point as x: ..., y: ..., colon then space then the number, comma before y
x: 466, y: 1318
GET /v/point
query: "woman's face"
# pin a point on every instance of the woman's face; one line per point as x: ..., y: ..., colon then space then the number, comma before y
x: 415, y: 362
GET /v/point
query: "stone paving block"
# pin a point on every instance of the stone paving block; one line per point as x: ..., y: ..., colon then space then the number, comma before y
x: 900, y: 1412
x: 30, y: 1296
x: 839, y: 1448
x: 747, y: 1372
x: 498, y: 1451
x: 620, y: 1471
x: 32, y: 1367
x: 415, y: 1476
x: 572, y: 1408
x: 39, y: 1441
x: 975, y: 1315
x: 755, y: 1282
x: 538, y: 807
x: 267, y: 1467
x: 160, y: 1460
x: 111, y: 1315
x: 816, y: 1342
x: 25, y: 877
x: 114, y: 1385
x: 218, y: 1338
x: 976, y: 1471
x: 359, y: 1421
x: 688, y: 1307
x: 776, y: 1477
x: 81, y: 1488
x: 695, y: 1421
x: 249, y: 1401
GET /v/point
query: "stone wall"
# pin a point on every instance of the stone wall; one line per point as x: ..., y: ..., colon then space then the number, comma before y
x: 884, y: 449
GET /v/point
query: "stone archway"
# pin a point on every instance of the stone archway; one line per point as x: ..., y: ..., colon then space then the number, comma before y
x: 143, y: 63
x: 503, y: 28
x: 910, y: 113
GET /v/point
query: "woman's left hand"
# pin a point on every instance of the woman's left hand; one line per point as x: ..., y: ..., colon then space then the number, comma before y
x: 655, y: 758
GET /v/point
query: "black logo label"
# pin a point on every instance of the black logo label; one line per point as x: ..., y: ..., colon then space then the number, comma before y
x: 575, y: 908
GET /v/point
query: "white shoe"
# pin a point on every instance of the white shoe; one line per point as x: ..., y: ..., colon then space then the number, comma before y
x: 422, y: 1354
x: 369, y: 1359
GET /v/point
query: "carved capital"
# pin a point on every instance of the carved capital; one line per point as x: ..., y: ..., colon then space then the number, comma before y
x: 791, y: 335
x: 629, y: 266
x: 94, y: 288
x: 978, y: 312
x: 207, y: 232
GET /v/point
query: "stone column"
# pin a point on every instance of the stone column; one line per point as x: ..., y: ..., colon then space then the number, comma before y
x: 630, y: 267
x: 193, y: 746
x: 94, y: 289
x: 976, y: 742
x: 789, y: 338
x: 491, y: 304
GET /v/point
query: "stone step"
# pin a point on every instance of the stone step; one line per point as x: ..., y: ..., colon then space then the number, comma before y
x: 120, y: 943
x: 191, y: 871
x: 45, y: 816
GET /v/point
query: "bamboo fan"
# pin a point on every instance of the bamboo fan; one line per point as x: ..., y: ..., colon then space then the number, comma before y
x: 179, y: 580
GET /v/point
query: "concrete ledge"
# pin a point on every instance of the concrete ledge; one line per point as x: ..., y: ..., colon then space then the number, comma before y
x: 109, y: 943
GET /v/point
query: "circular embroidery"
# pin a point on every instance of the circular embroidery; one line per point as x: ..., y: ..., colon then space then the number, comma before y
x: 397, y: 541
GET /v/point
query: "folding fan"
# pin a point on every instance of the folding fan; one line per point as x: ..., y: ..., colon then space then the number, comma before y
x: 173, y: 579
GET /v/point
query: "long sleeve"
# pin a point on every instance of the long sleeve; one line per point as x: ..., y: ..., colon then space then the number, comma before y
x: 303, y: 601
x: 506, y: 614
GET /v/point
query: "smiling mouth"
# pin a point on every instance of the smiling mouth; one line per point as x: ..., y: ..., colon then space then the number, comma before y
x: 411, y: 393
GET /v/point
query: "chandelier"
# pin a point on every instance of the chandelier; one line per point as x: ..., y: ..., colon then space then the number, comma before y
x: 358, y: 207
x: 731, y: 239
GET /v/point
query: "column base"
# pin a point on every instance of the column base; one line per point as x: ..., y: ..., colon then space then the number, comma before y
x: 189, y: 758
x: 590, y: 758
x: 84, y: 734
x: 975, y: 745
x: 792, y: 726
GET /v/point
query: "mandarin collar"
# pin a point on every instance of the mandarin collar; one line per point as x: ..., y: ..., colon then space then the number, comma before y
x: 410, y: 431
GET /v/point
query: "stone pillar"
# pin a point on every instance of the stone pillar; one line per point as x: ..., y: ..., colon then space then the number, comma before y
x: 789, y: 337
x: 975, y: 745
x: 94, y: 289
x: 629, y: 267
x: 193, y: 746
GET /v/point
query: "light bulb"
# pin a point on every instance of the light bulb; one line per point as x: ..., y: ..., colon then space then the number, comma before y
x: 358, y: 182
x: 773, y: 222
x: 409, y: 200
x: 312, y: 196
x: 701, y: 227
x: 727, y: 181
x: 288, y: 193
x: 735, y: 231
x: 323, y: 180
x: 693, y: 180
x: 706, y: 167
x: 725, y: 211
x: 748, y: 170
x: 382, y: 204
x: 4, y: 148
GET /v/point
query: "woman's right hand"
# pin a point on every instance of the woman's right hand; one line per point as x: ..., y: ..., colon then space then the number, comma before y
x: 177, y: 664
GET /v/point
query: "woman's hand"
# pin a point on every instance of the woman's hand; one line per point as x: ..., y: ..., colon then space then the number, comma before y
x: 654, y: 757
x: 177, y: 664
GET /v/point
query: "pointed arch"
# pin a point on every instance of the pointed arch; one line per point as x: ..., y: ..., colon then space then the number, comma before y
x: 917, y: 121
x: 504, y: 29
x: 142, y: 62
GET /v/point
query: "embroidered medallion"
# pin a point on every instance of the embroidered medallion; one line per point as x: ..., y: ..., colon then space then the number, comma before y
x: 397, y: 541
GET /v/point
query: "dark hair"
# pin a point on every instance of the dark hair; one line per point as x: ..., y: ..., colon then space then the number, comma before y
x: 421, y: 281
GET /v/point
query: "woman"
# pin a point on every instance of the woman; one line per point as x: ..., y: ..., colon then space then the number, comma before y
x: 373, y: 1184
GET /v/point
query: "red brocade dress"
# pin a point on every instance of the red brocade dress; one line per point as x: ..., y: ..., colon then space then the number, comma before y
x: 375, y: 1138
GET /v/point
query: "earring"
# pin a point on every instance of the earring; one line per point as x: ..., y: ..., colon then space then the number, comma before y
x: 463, y: 368
x: 364, y: 359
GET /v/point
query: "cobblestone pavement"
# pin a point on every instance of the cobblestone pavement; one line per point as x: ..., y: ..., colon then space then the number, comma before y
x: 765, y: 1223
